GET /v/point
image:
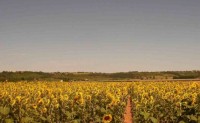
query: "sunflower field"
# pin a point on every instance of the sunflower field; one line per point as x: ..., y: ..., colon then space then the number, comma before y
x: 166, y: 102
x: 61, y: 102
x: 99, y: 102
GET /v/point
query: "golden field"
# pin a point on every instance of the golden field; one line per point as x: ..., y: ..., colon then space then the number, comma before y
x: 103, y: 102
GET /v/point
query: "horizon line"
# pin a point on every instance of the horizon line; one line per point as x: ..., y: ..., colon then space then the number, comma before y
x: 99, y: 72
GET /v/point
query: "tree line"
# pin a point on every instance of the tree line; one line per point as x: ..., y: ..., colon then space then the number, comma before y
x: 94, y: 76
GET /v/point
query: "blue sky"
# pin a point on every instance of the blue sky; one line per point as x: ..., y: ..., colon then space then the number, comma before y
x: 99, y: 35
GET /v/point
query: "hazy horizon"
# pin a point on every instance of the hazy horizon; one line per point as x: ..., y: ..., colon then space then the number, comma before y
x: 99, y: 35
x: 98, y: 72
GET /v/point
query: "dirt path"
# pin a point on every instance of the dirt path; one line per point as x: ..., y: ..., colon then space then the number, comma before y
x: 128, y: 114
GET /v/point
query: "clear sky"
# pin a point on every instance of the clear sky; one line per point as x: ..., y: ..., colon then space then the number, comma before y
x: 99, y: 35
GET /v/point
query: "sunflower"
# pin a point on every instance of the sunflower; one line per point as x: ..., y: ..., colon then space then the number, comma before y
x: 44, y: 110
x: 107, y: 118
x: 34, y: 106
x: 40, y: 101
x: 81, y: 101
x: 56, y: 106
x: 18, y: 98
x: 89, y: 98
x: 65, y: 97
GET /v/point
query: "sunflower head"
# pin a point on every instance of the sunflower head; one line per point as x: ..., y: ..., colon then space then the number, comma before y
x: 18, y: 98
x: 81, y: 101
x: 44, y: 110
x: 65, y: 97
x: 107, y: 118
x: 34, y: 106
x: 57, y: 106
x: 40, y: 101
x: 88, y: 97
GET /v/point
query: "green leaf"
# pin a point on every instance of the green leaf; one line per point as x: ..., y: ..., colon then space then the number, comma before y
x: 63, y: 110
x: 103, y: 110
x: 97, y: 107
x: 9, y: 121
x: 154, y: 120
x: 181, y: 122
x: 96, y: 100
x: 142, y: 113
x: 145, y: 114
x: 4, y: 110
x: 43, y: 118
x: 198, y: 119
x: 49, y: 119
x: 76, y: 121
x: 68, y: 114
x: 192, y: 117
x: 97, y: 119
x: 173, y: 117
x: 27, y: 119
x: 161, y: 115
x: 22, y: 111
x: 36, y: 113
x: 157, y: 105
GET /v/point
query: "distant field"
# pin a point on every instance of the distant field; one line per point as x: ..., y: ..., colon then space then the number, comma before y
x: 93, y: 102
